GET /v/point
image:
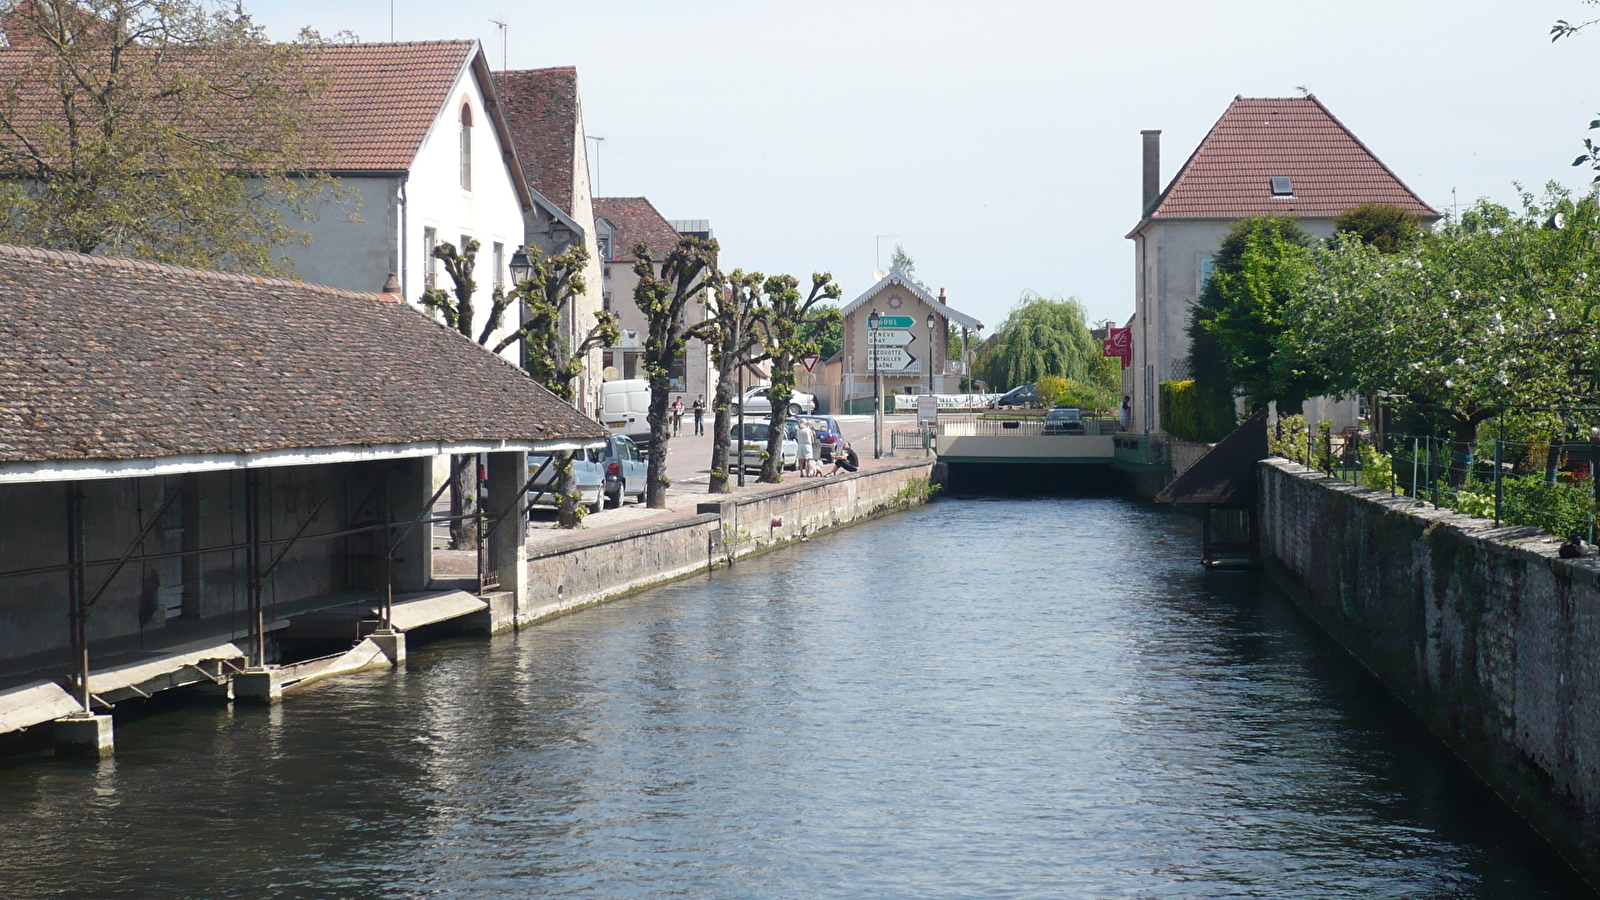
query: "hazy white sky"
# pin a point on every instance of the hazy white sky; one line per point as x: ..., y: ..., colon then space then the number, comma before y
x: 999, y: 140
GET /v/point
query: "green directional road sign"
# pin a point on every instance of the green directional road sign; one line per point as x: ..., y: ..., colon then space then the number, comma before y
x: 894, y: 322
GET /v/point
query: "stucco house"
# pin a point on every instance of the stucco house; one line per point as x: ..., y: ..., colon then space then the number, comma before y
x: 1284, y: 156
x: 544, y: 112
x: 622, y: 223
x: 912, y: 356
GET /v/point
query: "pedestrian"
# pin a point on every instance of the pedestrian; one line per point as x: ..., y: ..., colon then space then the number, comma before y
x: 700, y: 414
x: 1127, y: 410
x: 803, y: 437
x: 677, y: 417
x: 845, y: 460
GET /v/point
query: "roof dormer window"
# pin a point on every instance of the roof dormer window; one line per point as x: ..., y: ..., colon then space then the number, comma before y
x: 466, y: 146
x: 1282, y: 186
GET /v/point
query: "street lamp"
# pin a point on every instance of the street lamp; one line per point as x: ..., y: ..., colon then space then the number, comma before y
x: 521, y: 266
x: 931, y: 348
x: 877, y: 385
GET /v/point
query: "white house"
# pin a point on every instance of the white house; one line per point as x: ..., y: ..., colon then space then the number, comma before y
x: 1283, y: 156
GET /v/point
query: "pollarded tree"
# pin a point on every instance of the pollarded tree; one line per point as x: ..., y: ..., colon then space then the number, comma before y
x: 731, y: 331
x: 168, y: 130
x: 784, y: 338
x: 1042, y: 336
x: 663, y: 294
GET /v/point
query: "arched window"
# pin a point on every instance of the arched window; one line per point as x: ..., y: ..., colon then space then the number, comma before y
x: 466, y: 146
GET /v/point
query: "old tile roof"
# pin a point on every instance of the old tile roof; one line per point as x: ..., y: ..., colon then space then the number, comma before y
x: 118, y: 359
x: 1230, y: 174
x: 636, y: 220
x: 541, y: 110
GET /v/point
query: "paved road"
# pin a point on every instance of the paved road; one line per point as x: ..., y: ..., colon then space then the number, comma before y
x: 689, y: 457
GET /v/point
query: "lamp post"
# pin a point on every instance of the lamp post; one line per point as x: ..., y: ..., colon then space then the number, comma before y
x: 738, y: 341
x: 521, y: 266
x: 877, y: 385
x: 931, y: 348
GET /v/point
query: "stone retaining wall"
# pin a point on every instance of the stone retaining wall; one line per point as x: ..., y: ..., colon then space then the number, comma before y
x: 1482, y: 630
x: 586, y: 569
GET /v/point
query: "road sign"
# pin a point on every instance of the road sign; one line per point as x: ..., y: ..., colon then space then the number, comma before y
x: 890, y: 338
x: 894, y: 322
x: 891, y: 359
x: 810, y: 362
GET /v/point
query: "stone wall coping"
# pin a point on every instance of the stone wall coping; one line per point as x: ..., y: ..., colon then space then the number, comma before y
x: 1532, y: 544
x: 799, y: 486
x: 583, y: 541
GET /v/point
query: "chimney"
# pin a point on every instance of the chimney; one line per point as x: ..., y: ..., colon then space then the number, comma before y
x: 1152, y: 169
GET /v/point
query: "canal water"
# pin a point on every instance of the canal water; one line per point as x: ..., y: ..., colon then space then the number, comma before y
x: 980, y: 698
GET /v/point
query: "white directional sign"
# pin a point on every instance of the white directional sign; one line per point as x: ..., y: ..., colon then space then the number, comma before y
x: 889, y: 338
x: 891, y: 359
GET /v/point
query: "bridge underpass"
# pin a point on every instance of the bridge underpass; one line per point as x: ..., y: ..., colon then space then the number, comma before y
x: 1027, y: 457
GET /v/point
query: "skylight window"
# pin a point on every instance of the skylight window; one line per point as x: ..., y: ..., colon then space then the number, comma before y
x: 1282, y: 186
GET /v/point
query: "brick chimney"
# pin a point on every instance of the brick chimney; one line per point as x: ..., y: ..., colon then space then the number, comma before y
x: 1152, y: 170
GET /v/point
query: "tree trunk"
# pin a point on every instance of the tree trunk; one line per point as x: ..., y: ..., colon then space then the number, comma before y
x: 782, y: 392
x: 464, y: 505
x: 569, y: 503
x: 1464, y: 437
x: 721, y: 432
x: 660, y: 434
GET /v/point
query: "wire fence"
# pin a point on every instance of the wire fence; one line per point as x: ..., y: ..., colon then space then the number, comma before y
x: 1546, y: 484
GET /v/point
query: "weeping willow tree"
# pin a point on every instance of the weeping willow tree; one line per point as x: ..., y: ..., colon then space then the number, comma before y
x: 1042, y: 336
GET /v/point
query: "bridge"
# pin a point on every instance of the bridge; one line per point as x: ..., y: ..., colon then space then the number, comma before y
x: 1025, y: 454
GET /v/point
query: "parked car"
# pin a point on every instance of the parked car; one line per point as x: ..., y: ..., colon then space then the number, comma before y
x: 586, y: 466
x: 625, y: 470
x: 758, y: 402
x: 753, y: 443
x: 625, y: 408
x: 1063, y: 420
x: 829, y: 436
x: 1022, y: 396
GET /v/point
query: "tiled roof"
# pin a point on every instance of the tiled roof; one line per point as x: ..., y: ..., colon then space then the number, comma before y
x: 1230, y: 174
x: 636, y: 219
x: 541, y: 110
x: 374, y: 114
x: 117, y: 359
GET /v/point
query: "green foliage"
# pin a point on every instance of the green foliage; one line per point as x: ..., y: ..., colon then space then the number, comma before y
x: 824, y: 329
x: 167, y: 130
x: 1042, y: 336
x: 1377, y: 469
x: 1260, y: 268
x: 1561, y: 508
x: 663, y: 293
x: 1385, y: 228
x: 902, y: 260
x: 784, y: 339
x: 1051, y: 388
x: 1191, y: 413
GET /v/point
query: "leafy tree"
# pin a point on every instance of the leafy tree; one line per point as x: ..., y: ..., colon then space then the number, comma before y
x: 545, y: 298
x: 731, y: 331
x: 168, y: 130
x: 783, y: 339
x: 1041, y: 337
x: 902, y: 260
x: 663, y: 293
x: 824, y: 327
x: 1260, y: 267
x: 1388, y: 228
x: 1497, y: 311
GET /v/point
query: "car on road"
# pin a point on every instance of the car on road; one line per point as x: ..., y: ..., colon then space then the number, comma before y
x: 753, y: 444
x: 624, y: 469
x: 1063, y: 420
x: 829, y: 436
x: 585, y: 465
x: 758, y: 402
x: 1021, y: 396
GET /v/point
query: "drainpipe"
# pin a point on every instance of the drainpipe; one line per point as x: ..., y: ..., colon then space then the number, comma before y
x: 405, y: 233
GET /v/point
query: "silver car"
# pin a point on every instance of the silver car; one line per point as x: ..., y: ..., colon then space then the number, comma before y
x: 624, y: 469
x: 758, y: 402
x: 753, y: 445
x: 585, y: 465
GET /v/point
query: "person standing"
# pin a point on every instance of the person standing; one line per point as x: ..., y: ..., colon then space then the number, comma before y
x: 700, y: 414
x: 1127, y: 410
x: 804, y: 438
x: 677, y: 417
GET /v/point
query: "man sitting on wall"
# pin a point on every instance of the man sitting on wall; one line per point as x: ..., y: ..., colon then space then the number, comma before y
x: 845, y: 460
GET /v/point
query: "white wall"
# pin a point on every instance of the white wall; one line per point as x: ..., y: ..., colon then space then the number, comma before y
x: 358, y: 254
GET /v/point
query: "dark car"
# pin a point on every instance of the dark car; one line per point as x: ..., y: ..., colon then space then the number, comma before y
x: 1025, y: 395
x: 829, y: 437
x: 1063, y: 420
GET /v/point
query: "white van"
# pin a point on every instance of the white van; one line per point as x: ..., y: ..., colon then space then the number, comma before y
x: 625, y: 408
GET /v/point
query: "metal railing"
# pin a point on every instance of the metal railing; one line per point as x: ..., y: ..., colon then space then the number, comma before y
x: 982, y: 426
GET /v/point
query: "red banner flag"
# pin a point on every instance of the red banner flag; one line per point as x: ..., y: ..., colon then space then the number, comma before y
x: 1119, y: 342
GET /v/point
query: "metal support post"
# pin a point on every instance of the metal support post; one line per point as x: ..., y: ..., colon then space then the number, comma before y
x: 1413, y: 468
x: 1497, y: 491
x: 252, y: 564
x: 77, y: 598
x: 738, y: 440
x: 877, y: 385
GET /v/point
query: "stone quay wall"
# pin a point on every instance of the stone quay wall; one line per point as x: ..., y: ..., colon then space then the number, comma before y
x: 585, y: 569
x: 1482, y: 630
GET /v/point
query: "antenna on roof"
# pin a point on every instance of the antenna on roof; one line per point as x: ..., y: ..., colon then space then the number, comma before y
x: 594, y: 183
x: 391, y: 21
x: 1304, y: 91
x: 505, y: 29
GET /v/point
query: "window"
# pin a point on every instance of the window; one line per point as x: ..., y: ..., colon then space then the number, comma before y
x: 1282, y: 186
x: 466, y: 146
x: 1205, y: 267
x: 499, y: 264
x: 430, y: 240
x: 605, y: 300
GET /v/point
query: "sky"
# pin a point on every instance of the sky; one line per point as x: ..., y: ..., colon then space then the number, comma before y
x: 999, y: 141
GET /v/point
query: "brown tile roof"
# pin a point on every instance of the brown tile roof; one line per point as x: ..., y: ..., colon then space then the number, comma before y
x: 541, y: 110
x: 118, y: 359
x: 374, y: 113
x: 1229, y: 176
x: 636, y: 219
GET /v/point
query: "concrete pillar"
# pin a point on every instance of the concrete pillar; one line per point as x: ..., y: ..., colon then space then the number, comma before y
x: 83, y: 735
x: 508, y: 472
x: 409, y: 491
x: 392, y: 643
x: 259, y: 686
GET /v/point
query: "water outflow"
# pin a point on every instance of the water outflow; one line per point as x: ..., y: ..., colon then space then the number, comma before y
x: 976, y: 699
